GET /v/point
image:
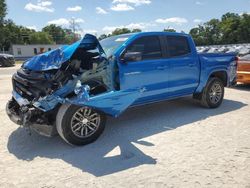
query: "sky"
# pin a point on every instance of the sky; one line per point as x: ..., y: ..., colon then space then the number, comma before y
x: 103, y: 16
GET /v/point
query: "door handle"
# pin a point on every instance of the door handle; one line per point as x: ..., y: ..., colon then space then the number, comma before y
x: 162, y: 67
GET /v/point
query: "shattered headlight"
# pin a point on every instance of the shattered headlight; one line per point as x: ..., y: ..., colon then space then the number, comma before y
x: 81, y: 88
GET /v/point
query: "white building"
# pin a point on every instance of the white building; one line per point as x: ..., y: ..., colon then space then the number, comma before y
x: 26, y: 51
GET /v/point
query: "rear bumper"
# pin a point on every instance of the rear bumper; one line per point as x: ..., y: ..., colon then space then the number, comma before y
x: 15, y: 115
x: 243, y: 77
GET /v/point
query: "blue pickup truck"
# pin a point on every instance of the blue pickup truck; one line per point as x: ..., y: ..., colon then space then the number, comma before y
x: 70, y: 90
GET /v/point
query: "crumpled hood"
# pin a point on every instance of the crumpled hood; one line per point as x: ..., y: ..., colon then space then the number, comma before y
x: 55, y: 58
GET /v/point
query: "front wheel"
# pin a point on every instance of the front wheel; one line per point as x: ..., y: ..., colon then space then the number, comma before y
x: 213, y: 94
x: 79, y: 125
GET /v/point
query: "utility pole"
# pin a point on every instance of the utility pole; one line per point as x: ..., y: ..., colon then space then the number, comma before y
x: 74, y: 26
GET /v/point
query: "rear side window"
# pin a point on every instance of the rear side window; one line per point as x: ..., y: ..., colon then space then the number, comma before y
x: 177, y: 46
x: 150, y: 47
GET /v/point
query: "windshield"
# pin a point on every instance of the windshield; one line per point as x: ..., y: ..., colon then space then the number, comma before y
x: 110, y: 44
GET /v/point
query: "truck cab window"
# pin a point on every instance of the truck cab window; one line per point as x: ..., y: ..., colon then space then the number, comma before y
x: 177, y: 46
x: 149, y: 47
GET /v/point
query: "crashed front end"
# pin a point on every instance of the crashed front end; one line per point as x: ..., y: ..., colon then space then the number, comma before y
x: 79, y: 74
x: 49, y: 80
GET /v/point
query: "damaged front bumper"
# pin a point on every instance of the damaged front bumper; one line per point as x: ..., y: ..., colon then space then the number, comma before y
x: 29, y: 115
x: 21, y: 113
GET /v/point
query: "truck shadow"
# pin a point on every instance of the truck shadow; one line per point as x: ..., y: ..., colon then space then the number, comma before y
x: 132, y: 127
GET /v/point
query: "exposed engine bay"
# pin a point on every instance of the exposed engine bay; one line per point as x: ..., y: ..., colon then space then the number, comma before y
x: 37, y: 94
x: 89, y: 67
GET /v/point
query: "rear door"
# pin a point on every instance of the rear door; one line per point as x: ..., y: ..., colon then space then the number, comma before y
x: 184, y: 66
x: 148, y: 73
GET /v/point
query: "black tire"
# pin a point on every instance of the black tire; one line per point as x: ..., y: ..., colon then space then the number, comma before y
x: 213, y: 93
x: 66, y: 117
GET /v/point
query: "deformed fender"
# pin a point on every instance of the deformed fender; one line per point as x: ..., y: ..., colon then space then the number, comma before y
x: 112, y: 103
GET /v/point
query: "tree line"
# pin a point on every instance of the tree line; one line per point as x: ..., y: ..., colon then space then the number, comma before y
x: 231, y: 28
x: 10, y: 33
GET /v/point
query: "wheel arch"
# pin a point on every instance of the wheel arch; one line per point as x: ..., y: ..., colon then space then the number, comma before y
x: 222, y: 75
x: 218, y: 73
x: 63, y: 126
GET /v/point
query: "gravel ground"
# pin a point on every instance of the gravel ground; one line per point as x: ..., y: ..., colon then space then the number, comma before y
x: 170, y: 144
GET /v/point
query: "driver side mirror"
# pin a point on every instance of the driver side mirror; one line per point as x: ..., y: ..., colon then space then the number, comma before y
x: 132, y: 56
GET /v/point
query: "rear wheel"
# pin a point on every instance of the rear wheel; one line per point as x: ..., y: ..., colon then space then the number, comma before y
x: 213, y: 94
x: 79, y: 125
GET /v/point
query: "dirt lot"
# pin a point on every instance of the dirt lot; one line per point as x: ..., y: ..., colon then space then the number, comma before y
x: 170, y: 144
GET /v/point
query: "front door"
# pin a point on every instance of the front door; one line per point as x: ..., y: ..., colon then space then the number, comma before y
x: 149, y: 73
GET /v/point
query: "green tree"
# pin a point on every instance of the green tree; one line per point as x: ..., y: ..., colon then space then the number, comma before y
x: 58, y: 33
x: 41, y: 38
x: 10, y: 34
x: 103, y: 36
x: 3, y: 11
x: 230, y: 23
x: 244, y: 29
x: 169, y: 30
x: 120, y: 31
x: 71, y: 37
x: 136, y: 31
x: 198, y: 34
x: 208, y: 33
x: 25, y: 34
x: 231, y: 28
x: 212, y: 32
